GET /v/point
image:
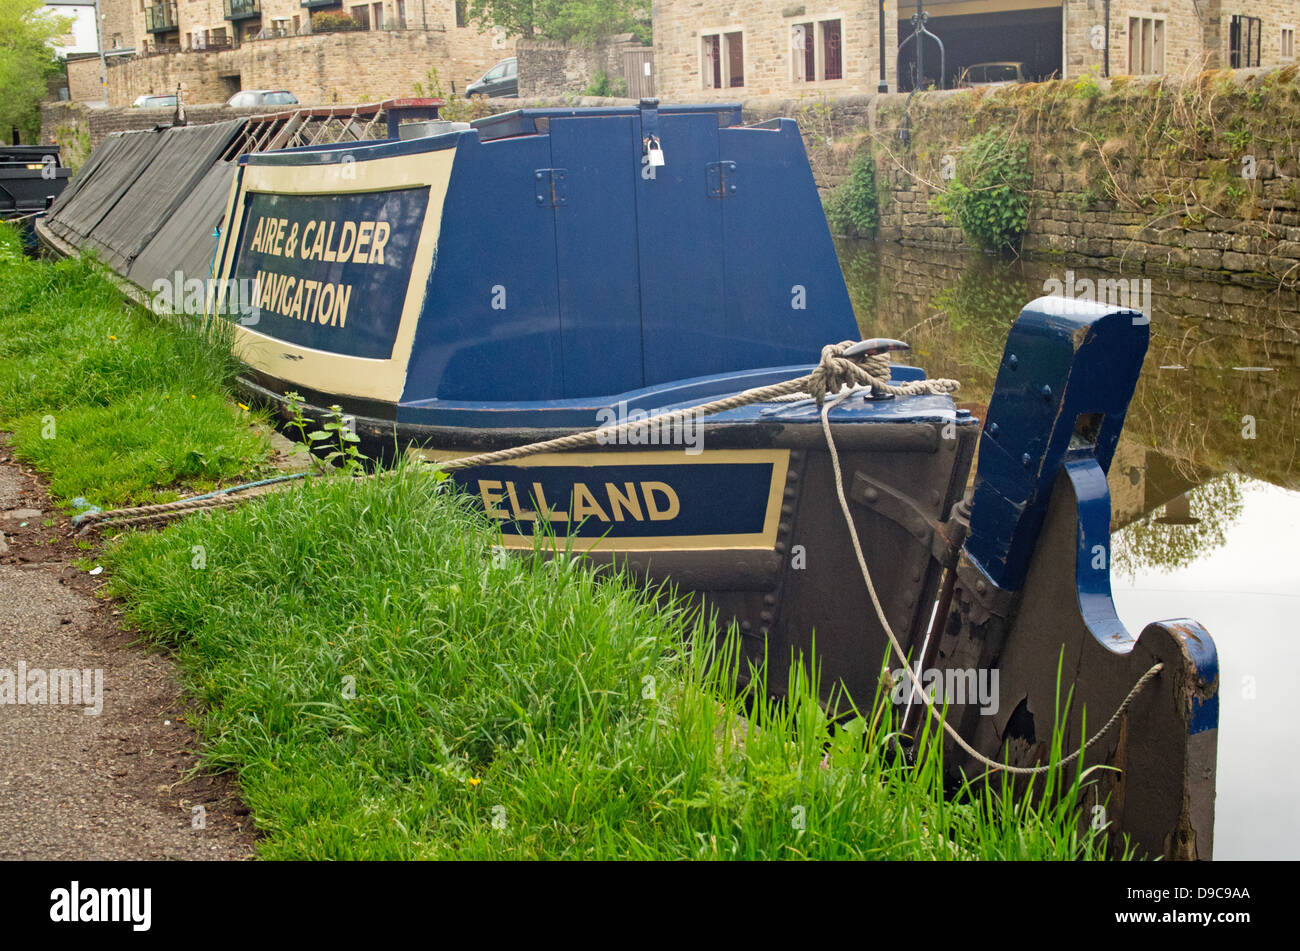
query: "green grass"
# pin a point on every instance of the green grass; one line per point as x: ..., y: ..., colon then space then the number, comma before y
x: 530, y: 709
x: 110, y: 402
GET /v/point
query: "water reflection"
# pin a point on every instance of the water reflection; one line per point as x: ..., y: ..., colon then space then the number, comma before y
x: 1203, y: 484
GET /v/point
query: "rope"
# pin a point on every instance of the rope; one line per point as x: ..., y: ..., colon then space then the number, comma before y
x: 831, y: 376
x: 165, y: 511
x: 1138, y: 687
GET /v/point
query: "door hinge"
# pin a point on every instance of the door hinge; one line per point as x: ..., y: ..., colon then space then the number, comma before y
x: 550, y: 187
x: 722, y: 179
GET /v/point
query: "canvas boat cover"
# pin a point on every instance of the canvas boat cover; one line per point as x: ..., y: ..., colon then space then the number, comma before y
x: 186, y: 242
x: 136, y: 187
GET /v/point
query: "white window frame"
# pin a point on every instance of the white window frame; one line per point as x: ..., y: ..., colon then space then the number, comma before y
x: 1135, y: 68
x: 818, y: 40
x: 724, y: 73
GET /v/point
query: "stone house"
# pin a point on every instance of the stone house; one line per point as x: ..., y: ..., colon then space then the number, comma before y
x: 217, y: 47
x: 751, y: 48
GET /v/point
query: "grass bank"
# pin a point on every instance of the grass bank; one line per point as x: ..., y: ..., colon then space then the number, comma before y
x: 385, y: 688
x: 109, y: 402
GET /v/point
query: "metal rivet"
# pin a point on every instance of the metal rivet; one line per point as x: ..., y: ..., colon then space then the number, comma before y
x: 1013, y: 361
x: 765, y: 615
x: 871, y: 494
x: 1025, y: 460
x: 980, y: 586
x: 783, y: 528
x: 769, y: 599
x: 538, y: 176
x: 1047, y: 392
x: 780, y: 548
x: 993, y: 430
x: 787, y: 510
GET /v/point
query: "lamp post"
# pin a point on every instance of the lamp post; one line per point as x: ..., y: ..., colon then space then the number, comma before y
x: 883, y: 85
x: 103, y: 69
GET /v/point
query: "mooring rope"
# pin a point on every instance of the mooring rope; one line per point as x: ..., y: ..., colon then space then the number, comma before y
x: 1138, y: 687
x: 836, y: 376
x: 832, y: 374
x: 164, y: 511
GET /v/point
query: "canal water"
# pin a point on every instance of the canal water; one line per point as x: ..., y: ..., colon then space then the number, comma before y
x: 1205, y: 491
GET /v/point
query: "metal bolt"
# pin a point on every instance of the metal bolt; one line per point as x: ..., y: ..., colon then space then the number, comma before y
x: 981, y: 587
x: 1012, y: 361
x: 993, y: 430
x: 1047, y: 392
x: 1025, y: 460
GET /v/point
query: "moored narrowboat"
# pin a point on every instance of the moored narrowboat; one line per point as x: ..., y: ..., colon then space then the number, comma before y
x: 655, y: 277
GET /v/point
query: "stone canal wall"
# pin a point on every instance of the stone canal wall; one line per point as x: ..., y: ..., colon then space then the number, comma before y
x: 1199, y: 175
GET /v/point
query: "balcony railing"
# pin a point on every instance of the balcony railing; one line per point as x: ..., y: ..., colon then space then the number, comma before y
x: 160, y: 18
x: 242, y: 9
x: 321, y: 4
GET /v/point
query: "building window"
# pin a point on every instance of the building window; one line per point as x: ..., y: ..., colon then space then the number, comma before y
x: 722, y: 59
x: 460, y: 12
x: 1288, y: 43
x: 362, y: 16
x: 1243, y: 41
x: 378, y: 15
x: 297, y: 25
x: 1146, y: 45
x: 817, y: 51
x: 401, y: 14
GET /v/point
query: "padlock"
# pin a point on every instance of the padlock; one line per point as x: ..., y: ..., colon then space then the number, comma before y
x: 654, y: 152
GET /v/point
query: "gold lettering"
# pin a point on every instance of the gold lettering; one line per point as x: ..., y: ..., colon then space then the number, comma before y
x: 618, y: 501
x: 520, y: 513
x: 657, y: 514
x: 539, y: 499
x: 377, y: 245
x: 585, y: 504
x: 347, y: 241
x: 490, y: 499
x: 363, y: 238
x: 303, y: 249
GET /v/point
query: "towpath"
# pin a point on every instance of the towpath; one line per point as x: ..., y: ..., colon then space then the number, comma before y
x: 119, y: 784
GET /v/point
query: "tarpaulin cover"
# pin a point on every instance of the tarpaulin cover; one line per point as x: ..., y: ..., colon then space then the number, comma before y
x: 98, y: 159
x: 186, y: 242
x: 127, y: 155
x: 173, y: 171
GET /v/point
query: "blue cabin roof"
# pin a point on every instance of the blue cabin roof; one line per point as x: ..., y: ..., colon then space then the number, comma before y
x: 571, y: 264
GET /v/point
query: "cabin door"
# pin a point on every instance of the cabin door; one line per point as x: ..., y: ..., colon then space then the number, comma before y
x: 680, y: 224
x: 593, y: 189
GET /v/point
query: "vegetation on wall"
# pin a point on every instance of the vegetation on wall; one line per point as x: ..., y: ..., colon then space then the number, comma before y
x: 851, y: 208
x: 602, y: 85
x: 989, y: 194
x: 334, y: 23
x: 578, y: 21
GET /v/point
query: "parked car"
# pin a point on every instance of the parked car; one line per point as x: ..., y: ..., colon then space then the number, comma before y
x: 262, y: 97
x: 993, y: 74
x: 155, y: 102
x: 501, y: 80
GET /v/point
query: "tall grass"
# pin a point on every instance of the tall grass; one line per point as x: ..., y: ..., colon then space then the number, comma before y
x: 387, y: 688
x: 110, y: 402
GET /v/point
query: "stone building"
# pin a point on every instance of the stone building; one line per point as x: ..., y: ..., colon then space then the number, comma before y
x: 218, y: 47
x: 752, y: 48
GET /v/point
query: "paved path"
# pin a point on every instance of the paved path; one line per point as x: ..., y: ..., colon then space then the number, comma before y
x: 109, y: 786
